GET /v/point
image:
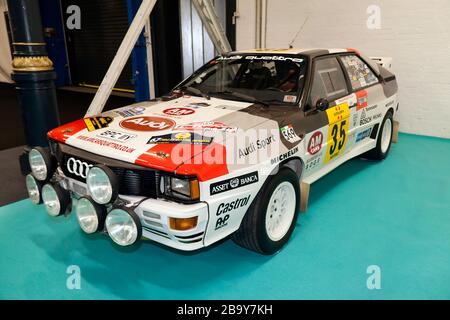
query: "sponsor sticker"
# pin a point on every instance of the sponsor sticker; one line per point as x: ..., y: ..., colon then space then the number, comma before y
x: 284, y: 156
x: 364, y: 118
x: 178, y: 111
x: 363, y: 134
x: 95, y: 123
x: 181, y: 137
x: 361, y: 99
x: 146, y: 123
x: 289, y: 98
x: 313, y: 162
x: 338, y: 117
x: 289, y: 134
x: 130, y: 112
x: 117, y: 135
x: 315, y: 142
x: 260, y: 144
x: 206, y: 126
x: 233, y: 183
x: 106, y: 143
x: 224, y: 210
x: 198, y: 104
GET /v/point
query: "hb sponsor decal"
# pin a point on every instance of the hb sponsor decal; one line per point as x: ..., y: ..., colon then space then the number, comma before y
x: 95, y: 123
x: 233, y: 183
x: 146, y: 123
x: 224, y: 210
x: 181, y: 137
x: 178, y: 111
x: 315, y: 142
x: 361, y: 99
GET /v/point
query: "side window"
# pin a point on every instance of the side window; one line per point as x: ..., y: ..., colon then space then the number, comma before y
x: 358, y: 72
x: 328, y: 81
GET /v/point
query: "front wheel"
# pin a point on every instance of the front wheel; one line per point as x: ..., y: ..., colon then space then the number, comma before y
x: 384, y: 140
x: 270, y: 220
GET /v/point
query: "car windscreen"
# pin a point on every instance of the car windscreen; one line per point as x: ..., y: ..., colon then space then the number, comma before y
x: 267, y: 78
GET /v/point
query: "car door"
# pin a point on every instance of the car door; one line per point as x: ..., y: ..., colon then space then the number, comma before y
x: 329, y: 140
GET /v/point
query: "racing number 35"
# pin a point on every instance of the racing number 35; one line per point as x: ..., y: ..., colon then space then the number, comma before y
x: 337, y: 130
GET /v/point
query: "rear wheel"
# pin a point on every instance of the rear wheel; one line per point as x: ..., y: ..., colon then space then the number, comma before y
x: 270, y: 220
x: 384, y: 140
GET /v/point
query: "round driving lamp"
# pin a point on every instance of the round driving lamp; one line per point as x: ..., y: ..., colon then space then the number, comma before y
x: 102, y: 184
x: 55, y: 198
x: 34, y: 189
x: 42, y: 164
x: 91, y: 216
x: 123, y: 226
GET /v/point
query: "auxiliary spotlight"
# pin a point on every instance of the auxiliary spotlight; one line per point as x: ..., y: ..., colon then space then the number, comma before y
x: 42, y: 163
x: 102, y: 184
x: 124, y: 226
x: 91, y: 216
x: 56, y: 199
x: 34, y: 189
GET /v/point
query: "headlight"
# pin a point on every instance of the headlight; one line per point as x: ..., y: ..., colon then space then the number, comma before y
x: 34, y: 189
x: 102, y: 184
x: 123, y: 226
x: 41, y: 163
x: 90, y: 215
x: 56, y: 199
x: 181, y: 188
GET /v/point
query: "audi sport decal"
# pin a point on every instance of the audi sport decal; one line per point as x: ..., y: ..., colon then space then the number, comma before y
x: 95, y: 123
x: 78, y: 167
x: 105, y: 143
x: 258, y: 145
x: 233, y: 183
x: 117, y: 135
x: 315, y: 142
x: 181, y: 137
x: 178, y: 111
x: 206, y: 126
x: 147, y: 123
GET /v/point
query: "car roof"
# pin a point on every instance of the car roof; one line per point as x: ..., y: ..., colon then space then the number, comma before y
x: 312, y: 52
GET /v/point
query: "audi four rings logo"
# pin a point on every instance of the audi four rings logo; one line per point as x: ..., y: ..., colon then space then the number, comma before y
x: 78, y: 167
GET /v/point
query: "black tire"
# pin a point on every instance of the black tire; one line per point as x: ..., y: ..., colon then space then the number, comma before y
x: 377, y: 152
x: 252, y: 233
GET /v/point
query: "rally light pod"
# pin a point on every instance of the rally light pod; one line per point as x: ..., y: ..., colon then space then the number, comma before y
x: 123, y: 226
x: 56, y: 199
x: 34, y: 189
x: 102, y: 184
x: 42, y: 163
x: 91, y: 216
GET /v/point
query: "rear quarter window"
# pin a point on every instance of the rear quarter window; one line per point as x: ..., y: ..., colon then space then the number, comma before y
x: 358, y: 71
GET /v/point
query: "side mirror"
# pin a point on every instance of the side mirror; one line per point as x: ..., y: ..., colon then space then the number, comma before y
x: 322, y: 104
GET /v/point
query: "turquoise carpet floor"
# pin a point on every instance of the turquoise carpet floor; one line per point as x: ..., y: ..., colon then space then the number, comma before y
x: 394, y: 214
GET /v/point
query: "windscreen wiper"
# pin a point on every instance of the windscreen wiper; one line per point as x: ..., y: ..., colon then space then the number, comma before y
x: 196, y: 92
x: 241, y: 96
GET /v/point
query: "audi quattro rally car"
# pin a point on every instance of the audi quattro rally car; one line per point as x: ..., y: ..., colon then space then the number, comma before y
x: 223, y: 153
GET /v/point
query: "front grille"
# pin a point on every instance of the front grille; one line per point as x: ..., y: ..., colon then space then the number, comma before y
x: 133, y: 180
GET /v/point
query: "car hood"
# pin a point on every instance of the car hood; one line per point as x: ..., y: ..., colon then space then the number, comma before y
x: 146, y: 133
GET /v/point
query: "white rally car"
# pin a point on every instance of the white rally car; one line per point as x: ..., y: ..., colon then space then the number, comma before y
x: 223, y: 154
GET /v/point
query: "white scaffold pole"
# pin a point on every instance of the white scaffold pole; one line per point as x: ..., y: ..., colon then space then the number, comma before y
x: 121, y: 57
x: 211, y: 22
